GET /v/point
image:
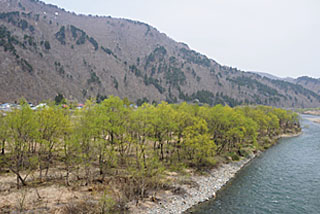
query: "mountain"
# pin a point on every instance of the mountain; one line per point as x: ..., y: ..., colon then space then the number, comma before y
x: 305, y: 81
x: 309, y: 83
x: 45, y: 50
x: 270, y: 76
x: 273, y: 77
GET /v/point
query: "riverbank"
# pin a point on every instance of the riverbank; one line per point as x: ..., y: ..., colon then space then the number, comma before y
x: 312, y: 112
x: 316, y: 120
x: 281, y: 180
x: 203, y: 188
x: 289, y: 135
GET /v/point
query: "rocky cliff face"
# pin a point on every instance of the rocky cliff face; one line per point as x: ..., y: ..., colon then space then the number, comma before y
x: 45, y: 50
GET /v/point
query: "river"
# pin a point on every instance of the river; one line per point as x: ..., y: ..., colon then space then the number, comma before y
x: 284, y: 179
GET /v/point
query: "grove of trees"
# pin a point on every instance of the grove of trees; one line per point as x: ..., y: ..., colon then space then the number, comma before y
x: 114, y: 141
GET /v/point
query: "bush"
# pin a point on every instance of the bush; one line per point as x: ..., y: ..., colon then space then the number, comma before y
x: 47, y: 45
x: 234, y: 156
x: 94, y: 43
x: 61, y: 36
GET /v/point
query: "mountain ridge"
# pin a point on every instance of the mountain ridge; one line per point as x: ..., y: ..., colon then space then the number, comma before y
x: 47, y: 51
x: 307, y: 82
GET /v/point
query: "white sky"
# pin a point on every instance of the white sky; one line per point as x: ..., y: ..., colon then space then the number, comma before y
x: 280, y: 37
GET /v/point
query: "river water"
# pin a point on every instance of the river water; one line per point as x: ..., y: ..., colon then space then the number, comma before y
x: 284, y: 179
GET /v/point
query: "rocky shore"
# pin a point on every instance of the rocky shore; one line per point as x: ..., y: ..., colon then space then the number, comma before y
x: 203, y: 189
x: 313, y: 112
x: 316, y: 120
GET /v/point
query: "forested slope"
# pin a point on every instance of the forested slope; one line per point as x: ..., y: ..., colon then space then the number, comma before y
x: 45, y: 51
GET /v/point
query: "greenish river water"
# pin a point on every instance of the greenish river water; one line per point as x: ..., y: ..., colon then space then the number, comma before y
x: 284, y: 179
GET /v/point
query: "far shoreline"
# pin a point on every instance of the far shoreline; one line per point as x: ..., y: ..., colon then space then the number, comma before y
x: 315, y: 120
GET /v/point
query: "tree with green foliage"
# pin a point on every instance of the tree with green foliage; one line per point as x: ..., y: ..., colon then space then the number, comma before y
x: 118, y: 117
x: 113, y: 142
x: 142, y: 130
x: 47, y: 45
x: 199, y: 147
x: 70, y: 150
x: 3, y: 133
x: 53, y: 122
x: 59, y: 99
x: 163, y: 125
x: 184, y: 118
x: 86, y: 133
x: 23, y: 133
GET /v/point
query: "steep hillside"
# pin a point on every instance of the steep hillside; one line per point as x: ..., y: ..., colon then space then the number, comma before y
x: 45, y: 50
x: 309, y: 83
x: 270, y: 76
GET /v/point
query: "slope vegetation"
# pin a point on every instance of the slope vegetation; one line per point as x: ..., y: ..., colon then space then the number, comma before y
x: 45, y: 50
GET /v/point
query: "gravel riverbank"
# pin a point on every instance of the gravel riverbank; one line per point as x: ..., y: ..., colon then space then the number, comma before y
x: 204, y: 189
x: 316, y: 120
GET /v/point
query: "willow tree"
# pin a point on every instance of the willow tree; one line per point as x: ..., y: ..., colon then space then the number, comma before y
x: 116, y: 126
x: 229, y: 127
x: 3, y: 133
x: 198, y: 146
x: 183, y: 117
x: 53, y: 123
x: 142, y: 131
x: 22, y: 132
x: 287, y: 119
x: 148, y: 170
x: 3, y: 138
x: 86, y: 132
x: 164, y: 125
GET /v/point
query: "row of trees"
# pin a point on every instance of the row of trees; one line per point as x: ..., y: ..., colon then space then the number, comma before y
x: 112, y: 139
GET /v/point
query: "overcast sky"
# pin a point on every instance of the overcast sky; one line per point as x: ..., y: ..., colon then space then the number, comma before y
x: 280, y: 37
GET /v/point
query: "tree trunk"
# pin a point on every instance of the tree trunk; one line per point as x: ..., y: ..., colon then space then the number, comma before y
x: 179, y: 146
x: 101, y: 172
x: 67, y: 176
x: 143, y: 152
x: 48, y: 164
x: 112, y: 138
x: 137, y: 157
x: 40, y: 173
x: 19, y: 178
x: 3, y: 145
x: 161, y: 151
